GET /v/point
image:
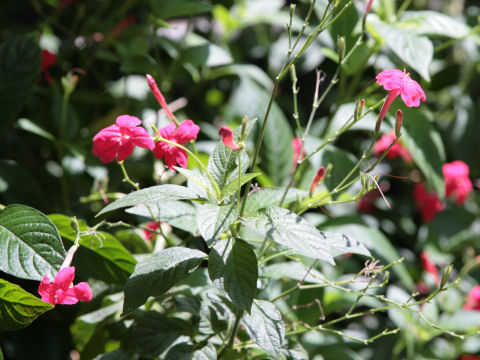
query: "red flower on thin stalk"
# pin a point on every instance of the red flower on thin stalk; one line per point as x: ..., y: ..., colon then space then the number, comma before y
x: 159, y: 96
x: 60, y: 290
x: 473, y: 299
x: 297, y: 147
x: 397, y: 150
x: 399, y: 82
x: 317, y: 178
x: 427, y: 202
x: 430, y: 267
x: 227, y: 138
x: 120, y: 139
x: 48, y: 60
x: 187, y: 131
x: 457, y: 182
x: 149, y: 235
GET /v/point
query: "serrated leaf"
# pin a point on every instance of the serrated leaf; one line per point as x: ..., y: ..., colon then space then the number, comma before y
x: 433, y: 23
x: 343, y: 244
x: 268, y: 197
x: 215, y: 315
x: 212, y: 220
x: 103, y: 258
x: 265, y: 326
x: 425, y: 144
x: 232, y: 266
x: 18, y: 308
x: 414, y: 50
x: 200, y: 179
x: 20, y: 62
x: 233, y: 184
x: 180, y: 351
x: 151, y: 195
x: 179, y: 214
x: 290, y: 230
x: 157, y: 273
x: 30, y: 245
x: 207, y: 352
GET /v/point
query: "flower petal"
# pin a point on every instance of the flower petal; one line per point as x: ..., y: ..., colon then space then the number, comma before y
x: 127, y: 121
x: 64, y: 278
x: 187, y: 131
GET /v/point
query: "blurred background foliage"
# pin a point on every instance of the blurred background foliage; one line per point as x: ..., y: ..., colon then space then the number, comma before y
x: 69, y: 67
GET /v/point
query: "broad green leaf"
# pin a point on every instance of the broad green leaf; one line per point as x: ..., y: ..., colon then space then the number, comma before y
x: 233, y: 184
x: 291, y: 231
x: 179, y: 214
x: 215, y: 314
x: 153, y: 333
x: 265, y: 326
x: 180, y: 8
x: 200, y: 179
x: 433, y: 23
x: 342, y: 244
x: 180, y: 351
x: 18, y: 308
x: 20, y: 62
x: 212, y: 220
x: 232, y: 266
x: 200, y: 52
x: 102, y: 256
x: 157, y: 273
x: 416, y: 51
x: 293, y: 270
x: 30, y: 246
x: 461, y: 320
x: 268, y: 197
x: 151, y: 195
x: 33, y: 128
x: 208, y: 352
x: 425, y: 144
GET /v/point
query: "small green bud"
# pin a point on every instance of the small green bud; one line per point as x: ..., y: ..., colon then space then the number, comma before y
x: 341, y: 47
x: 74, y: 224
x: 446, y: 276
x: 398, y: 123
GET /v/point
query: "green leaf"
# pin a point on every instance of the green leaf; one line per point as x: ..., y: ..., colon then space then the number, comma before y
x: 268, y: 197
x: 103, y: 257
x: 207, y: 352
x: 425, y: 144
x: 290, y: 230
x: 342, y: 162
x: 433, y: 23
x: 295, y: 271
x: 180, y: 8
x: 119, y: 354
x: 213, y: 220
x: 157, y: 273
x: 200, y: 179
x: 233, y: 184
x: 180, y: 351
x: 18, y: 308
x: 20, y: 62
x: 179, y: 214
x: 33, y: 128
x: 414, y: 50
x: 265, y: 326
x: 30, y: 246
x: 151, y: 195
x: 200, y: 52
x: 342, y: 115
x: 154, y: 333
x: 461, y: 320
x: 232, y: 266
x: 342, y: 244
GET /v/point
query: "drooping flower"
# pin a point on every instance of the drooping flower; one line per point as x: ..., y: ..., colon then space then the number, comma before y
x: 159, y: 96
x: 399, y: 82
x: 457, y: 182
x: 227, y: 138
x: 187, y: 131
x: 149, y: 235
x: 397, y: 150
x: 430, y: 267
x: 61, y: 291
x: 297, y: 147
x: 427, y: 202
x: 48, y: 60
x: 473, y: 299
x: 317, y: 178
x: 120, y: 139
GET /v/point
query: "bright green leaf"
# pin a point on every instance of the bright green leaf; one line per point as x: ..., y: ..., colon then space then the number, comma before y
x: 268, y: 197
x: 233, y: 184
x: 208, y: 352
x: 180, y: 8
x: 33, y: 128
x: 433, y: 23
x: 213, y: 220
x: 200, y: 179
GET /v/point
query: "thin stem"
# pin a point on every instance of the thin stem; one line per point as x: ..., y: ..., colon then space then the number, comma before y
x: 233, y: 334
x: 126, y: 178
x: 239, y: 187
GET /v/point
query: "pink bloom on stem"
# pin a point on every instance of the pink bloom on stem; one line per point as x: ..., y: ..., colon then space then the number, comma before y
x: 227, y: 138
x: 427, y: 202
x: 60, y: 292
x: 159, y: 96
x: 187, y: 131
x: 120, y: 139
x: 366, y: 202
x: 457, y: 182
x: 430, y: 267
x: 399, y: 82
x: 473, y: 299
x: 397, y: 150
x: 48, y: 60
x: 149, y: 235
x: 317, y: 178
x: 297, y: 146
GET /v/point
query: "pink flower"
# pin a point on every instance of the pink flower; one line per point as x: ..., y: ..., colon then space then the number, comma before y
x: 317, y: 178
x: 430, y: 267
x: 60, y: 292
x: 187, y: 131
x: 297, y: 146
x: 427, y: 202
x: 149, y: 235
x: 159, y: 96
x: 397, y: 150
x: 120, y: 139
x: 48, y: 60
x: 366, y: 202
x: 400, y: 83
x: 457, y: 182
x: 227, y: 138
x: 473, y: 299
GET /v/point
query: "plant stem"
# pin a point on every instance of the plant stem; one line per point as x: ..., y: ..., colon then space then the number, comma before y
x: 126, y: 178
x: 231, y: 338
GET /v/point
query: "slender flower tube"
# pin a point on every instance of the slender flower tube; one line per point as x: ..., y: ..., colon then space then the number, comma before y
x: 227, y: 138
x: 159, y: 96
x: 60, y: 290
x: 317, y: 178
x: 297, y: 147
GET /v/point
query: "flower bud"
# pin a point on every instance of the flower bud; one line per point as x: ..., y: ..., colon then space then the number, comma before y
x: 159, y: 96
x: 318, y: 177
x: 341, y: 47
x: 227, y: 138
x: 398, y: 123
x: 446, y: 276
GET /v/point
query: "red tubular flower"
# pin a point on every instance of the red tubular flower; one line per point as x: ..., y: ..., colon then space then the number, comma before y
x: 457, y: 182
x: 159, y: 96
x: 60, y: 292
x: 48, y: 60
x: 149, y: 235
x: 473, y: 299
x: 318, y: 177
x: 227, y: 138
x: 430, y: 267
x: 427, y: 202
x: 397, y: 150
x: 297, y: 146
x: 399, y: 82
x: 187, y: 131
x: 120, y: 139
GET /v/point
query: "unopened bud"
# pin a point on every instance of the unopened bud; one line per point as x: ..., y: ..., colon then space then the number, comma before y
x: 292, y: 10
x: 74, y: 224
x: 318, y: 177
x: 360, y: 107
x: 159, y: 96
x: 398, y: 123
x: 446, y: 276
x: 341, y: 47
